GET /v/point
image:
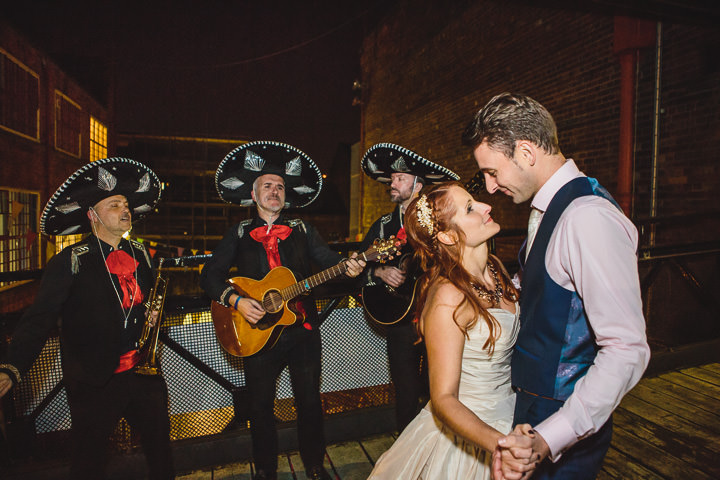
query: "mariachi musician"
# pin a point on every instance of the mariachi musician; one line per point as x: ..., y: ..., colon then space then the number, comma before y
x: 95, y: 290
x: 389, y: 287
x: 273, y: 176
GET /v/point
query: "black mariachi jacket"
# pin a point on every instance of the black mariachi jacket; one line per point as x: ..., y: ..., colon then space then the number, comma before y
x: 76, y: 291
x: 383, y: 228
x: 238, y: 249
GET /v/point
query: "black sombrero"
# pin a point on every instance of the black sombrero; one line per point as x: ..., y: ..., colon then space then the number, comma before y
x: 66, y: 211
x: 383, y: 159
x: 239, y: 169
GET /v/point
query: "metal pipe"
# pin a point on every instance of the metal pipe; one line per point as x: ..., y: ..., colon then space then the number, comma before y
x: 656, y: 134
x: 628, y: 62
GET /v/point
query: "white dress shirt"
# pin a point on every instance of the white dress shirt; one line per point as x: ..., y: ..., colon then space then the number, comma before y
x: 592, y: 251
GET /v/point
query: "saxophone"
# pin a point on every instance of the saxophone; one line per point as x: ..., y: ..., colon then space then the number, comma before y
x: 156, y: 301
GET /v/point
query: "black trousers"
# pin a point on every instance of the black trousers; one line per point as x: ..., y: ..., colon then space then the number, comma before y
x: 409, y: 377
x: 300, y: 350
x: 142, y: 400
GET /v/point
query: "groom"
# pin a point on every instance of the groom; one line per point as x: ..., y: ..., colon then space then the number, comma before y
x: 582, y: 343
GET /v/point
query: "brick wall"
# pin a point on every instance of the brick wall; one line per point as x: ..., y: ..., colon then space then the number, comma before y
x: 32, y: 165
x: 429, y: 66
x: 38, y: 166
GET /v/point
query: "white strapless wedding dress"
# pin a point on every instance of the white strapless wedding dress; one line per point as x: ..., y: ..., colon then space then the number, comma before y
x: 427, y: 449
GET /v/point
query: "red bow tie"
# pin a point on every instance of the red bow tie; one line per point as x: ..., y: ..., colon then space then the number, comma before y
x: 269, y: 238
x: 123, y: 265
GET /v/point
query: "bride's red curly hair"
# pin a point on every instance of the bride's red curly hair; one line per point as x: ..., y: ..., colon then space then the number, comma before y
x: 439, y: 261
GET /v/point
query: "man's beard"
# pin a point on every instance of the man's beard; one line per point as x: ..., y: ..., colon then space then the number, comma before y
x: 397, y: 197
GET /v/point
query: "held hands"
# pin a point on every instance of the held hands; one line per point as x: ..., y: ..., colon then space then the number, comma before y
x: 518, y: 454
x: 392, y: 276
x: 354, y: 266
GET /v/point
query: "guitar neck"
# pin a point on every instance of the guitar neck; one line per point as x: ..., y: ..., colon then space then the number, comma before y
x: 313, y: 281
x: 380, y: 250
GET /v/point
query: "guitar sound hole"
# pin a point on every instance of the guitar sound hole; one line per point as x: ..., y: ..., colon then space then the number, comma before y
x: 272, y: 301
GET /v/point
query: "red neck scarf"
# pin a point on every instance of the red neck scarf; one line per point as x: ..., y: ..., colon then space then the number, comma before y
x: 269, y: 238
x: 123, y: 265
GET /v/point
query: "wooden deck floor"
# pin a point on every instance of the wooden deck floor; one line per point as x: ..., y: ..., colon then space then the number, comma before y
x: 668, y: 427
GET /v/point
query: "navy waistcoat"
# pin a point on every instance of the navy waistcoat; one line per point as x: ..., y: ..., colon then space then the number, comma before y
x: 555, y: 345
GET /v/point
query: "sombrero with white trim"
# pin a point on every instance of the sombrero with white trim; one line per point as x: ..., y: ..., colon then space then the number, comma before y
x: 383, y: 159
x: 66, y: 211
x: 236, y: 173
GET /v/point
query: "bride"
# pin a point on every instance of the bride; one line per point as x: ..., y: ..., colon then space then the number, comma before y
x: 469, y: 318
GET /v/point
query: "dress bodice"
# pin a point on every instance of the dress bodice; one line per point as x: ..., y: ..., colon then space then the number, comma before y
x: 427, y: 449
x: 485, y: 377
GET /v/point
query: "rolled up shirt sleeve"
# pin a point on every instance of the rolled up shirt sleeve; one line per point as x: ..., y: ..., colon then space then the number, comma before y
x: 593, y: 252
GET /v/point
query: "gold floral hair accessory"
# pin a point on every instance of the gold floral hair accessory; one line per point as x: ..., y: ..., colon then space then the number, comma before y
x: 424, y: 214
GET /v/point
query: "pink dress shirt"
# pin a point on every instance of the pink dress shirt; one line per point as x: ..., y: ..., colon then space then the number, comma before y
x: 593, y: 251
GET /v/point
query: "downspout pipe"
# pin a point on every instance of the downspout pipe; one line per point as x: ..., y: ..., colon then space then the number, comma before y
x: 628, y: 77
x: 656, y: 134
x: 631, y: 35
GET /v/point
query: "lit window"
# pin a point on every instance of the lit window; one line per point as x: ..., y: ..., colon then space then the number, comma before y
x: 19, y: 98
x: 68, y: 125
x: 98, y: 140
x: 19, y: 239
x: 62, y: 241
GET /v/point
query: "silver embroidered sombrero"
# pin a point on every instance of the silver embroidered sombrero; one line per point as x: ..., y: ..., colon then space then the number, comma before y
x: 383, y: 159
x: 236, y: 173
x: 66, y: 211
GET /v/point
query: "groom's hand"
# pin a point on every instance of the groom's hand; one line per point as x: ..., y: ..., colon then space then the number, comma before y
x: 518, y: 454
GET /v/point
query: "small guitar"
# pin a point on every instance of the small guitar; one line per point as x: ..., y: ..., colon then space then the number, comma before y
x: 277, y: 293
x: 389, y: 305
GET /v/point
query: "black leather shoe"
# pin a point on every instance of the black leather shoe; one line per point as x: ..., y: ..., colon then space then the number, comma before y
x: 263, y: 475
x: 317, y: 473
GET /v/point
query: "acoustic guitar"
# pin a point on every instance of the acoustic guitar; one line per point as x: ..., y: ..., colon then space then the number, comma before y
x: 277, y: 293
x: 388, y: 305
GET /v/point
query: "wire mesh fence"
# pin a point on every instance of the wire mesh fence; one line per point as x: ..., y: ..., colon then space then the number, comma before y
x: 206, y: 384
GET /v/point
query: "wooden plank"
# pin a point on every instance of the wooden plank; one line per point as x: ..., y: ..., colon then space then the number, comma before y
x: 685, y: 448
x: 286, y: 471
x: 297, y: 464
x: 350, y: 461
x: 713, y: 367
x: 376, y: 446
x: 619, y: 466
x: 233, y: 471
x: 692, y: 397
x: 196, y: 475
x: 681, y: 408
x: 672, y: 422
x: 692, y: 383
x: 655, y: 459
x: 703, y: 374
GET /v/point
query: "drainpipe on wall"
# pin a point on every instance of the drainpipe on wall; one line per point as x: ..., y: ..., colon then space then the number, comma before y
x: 631, y: 35
x: 656, y: 134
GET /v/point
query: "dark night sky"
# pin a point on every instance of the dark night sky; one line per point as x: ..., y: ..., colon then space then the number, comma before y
x: 278, y: 70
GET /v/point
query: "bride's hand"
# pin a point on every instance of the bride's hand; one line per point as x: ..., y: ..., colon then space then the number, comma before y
x: 517, y: 459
